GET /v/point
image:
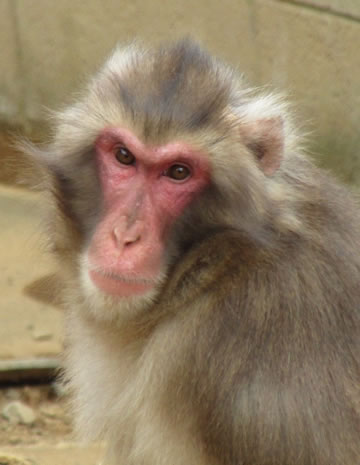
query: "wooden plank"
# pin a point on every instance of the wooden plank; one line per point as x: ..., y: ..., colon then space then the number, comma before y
x: 39, y: 369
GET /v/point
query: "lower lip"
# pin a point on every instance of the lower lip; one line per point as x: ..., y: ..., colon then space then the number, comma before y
x: 117, y: 287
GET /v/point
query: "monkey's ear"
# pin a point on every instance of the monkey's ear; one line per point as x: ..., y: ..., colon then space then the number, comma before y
x: 265, y: 138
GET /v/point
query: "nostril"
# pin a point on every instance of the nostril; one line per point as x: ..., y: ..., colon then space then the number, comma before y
x: 134, y: 233
x: 131, y: 241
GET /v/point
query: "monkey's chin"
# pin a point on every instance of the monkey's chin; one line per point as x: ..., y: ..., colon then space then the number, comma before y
x: 118, y: 286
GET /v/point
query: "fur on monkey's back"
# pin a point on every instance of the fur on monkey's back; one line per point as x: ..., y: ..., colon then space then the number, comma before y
x: 288, y: 318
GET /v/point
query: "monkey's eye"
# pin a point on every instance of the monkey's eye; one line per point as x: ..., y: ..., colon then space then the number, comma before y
x: 178, y: 172
x: 124, y: 156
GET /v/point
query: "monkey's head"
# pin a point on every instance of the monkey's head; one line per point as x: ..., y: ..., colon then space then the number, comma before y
x: 164, y: 147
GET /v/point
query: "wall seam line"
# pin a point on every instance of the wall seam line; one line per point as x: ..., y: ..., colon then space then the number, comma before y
x: 321, y: 9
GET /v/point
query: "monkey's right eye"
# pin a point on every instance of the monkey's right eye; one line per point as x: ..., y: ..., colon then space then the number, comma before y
x: 124, y: 156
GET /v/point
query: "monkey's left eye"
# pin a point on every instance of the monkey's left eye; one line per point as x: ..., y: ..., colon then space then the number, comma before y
x: 178, y: 172
x: 124, y: 156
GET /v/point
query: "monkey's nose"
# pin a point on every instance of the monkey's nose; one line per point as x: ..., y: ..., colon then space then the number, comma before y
x: 127, y: 236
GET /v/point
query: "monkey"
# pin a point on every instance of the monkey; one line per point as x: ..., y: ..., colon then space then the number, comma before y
x: 212, y: 270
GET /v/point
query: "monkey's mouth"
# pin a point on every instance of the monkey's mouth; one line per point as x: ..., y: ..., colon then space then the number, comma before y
x: 120, y: 285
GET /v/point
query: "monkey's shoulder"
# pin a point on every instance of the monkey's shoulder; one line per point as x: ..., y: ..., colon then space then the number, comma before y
x: 230, y: 263
x: 222, y: 257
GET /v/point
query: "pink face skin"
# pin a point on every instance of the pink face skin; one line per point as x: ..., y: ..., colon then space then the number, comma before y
x: 141, y: 202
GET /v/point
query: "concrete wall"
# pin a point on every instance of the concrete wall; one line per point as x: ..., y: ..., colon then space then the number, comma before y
x: 309, y: 48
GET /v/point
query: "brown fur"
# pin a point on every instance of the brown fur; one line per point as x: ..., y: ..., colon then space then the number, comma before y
x: 249, y: 352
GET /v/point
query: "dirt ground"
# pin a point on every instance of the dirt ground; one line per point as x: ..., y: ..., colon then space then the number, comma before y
x: 49, y: 439
x: 52, y: 423
x: 31, y: 324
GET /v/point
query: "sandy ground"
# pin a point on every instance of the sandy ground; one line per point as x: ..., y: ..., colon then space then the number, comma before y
x: 28, y: 326
x: 49, y: 439
x: 31, y: 323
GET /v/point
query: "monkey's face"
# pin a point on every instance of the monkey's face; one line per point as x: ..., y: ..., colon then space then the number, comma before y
x: 144, y: 190
x: 195, y: 157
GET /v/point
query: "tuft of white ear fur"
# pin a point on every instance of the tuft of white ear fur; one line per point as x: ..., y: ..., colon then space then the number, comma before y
x: 266, y: 129
x: 265, y: 138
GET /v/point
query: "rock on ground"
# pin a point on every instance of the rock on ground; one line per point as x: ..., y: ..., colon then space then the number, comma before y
x: 17, y: 412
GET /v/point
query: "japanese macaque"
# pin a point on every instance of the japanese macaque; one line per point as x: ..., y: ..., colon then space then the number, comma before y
x: 213, y: 271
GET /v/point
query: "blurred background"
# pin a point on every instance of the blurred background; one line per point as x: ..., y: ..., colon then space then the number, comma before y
x: 310, y: 49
